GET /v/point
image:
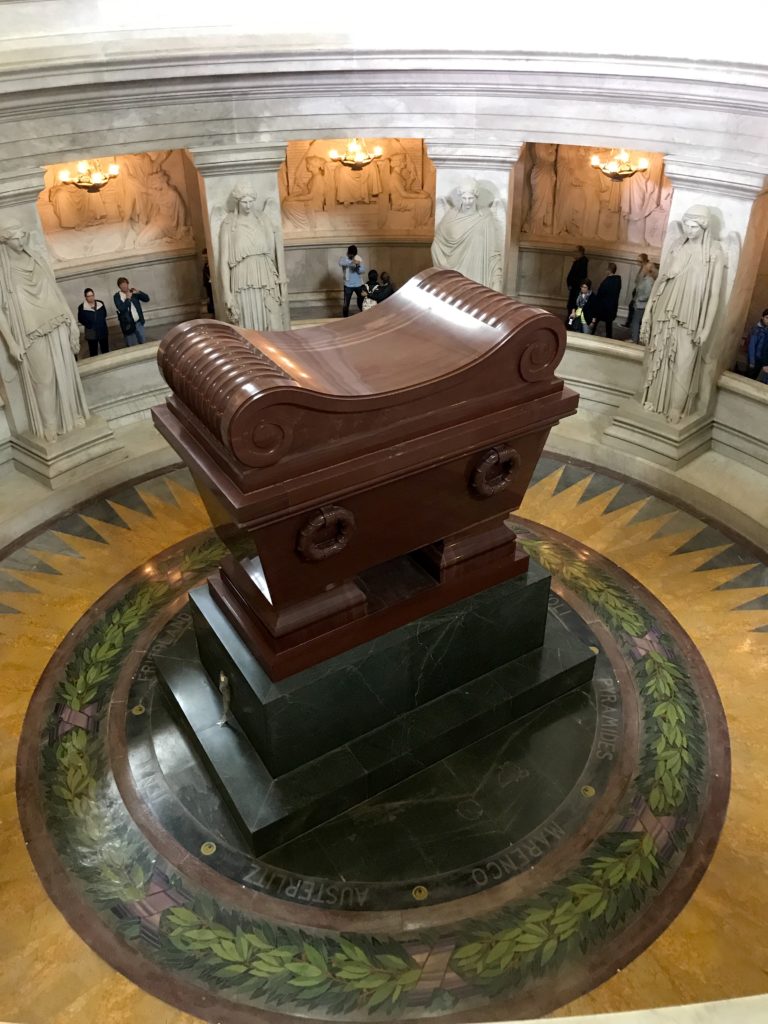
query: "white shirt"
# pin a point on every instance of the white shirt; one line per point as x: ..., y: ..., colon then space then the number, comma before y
x: 131, y: 306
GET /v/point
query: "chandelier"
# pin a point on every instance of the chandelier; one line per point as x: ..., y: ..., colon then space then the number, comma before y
x: 618, y: 165
x: 90, y: 175
x: 356, y: 154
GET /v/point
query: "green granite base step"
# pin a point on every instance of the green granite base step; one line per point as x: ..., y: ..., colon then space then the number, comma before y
x: 272, y: 810
x: 313, y: 712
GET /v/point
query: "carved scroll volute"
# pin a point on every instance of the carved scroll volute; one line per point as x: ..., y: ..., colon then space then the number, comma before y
x: 261, y: 437
x: 541, y: 355
x: 495, y: 470
x: 325, y: 534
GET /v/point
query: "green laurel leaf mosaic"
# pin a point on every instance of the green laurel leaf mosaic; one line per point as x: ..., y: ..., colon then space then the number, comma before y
x: 323, y: 973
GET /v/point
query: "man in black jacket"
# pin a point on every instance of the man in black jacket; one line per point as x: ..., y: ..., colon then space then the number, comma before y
x: 576, y: 275
x: 607, y: 301
x: 129, y: 312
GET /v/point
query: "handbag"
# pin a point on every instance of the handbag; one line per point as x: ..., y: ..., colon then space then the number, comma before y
x: 90, y: 334
x: 127, y: 323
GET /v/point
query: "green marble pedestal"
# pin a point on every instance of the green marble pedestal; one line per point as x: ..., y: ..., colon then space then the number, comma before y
x: 293, y: 754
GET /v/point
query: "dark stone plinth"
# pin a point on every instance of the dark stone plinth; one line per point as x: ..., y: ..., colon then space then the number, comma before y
x: 271, y: 811
x: 318, y: 710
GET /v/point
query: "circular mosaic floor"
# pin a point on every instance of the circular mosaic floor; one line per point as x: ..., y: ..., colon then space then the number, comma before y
x: 502, y: 882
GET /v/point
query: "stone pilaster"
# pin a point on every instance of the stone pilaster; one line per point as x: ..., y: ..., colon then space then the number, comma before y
x: 220, y: 170
x: 491, y: 165
x: 731, y: 194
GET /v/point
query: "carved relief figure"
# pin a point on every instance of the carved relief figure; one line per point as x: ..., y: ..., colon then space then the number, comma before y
x: 656, y: 221
x: 309, y: 197
x: 470, y: 238
x: 609, y: 215
x: 75, y: 208
x: 587, y: 205
x: 680, y: 316
x: 391, y: 196
x: 168, y: 216
x: 361, y: 186
x: 540, y: 220
x: 248, y: 260
x: 41, y: 336
x: 404, y: 192
x: 571, y: 195
x: 140, y: 209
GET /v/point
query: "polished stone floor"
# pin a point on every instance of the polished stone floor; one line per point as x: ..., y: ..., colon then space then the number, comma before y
x: 557, y: 868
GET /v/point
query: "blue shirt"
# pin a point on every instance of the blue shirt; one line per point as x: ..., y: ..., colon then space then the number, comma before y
x: 353, y: 272
x: 758, y: 344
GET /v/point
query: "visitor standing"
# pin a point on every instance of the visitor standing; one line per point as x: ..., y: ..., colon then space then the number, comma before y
x: 576, y: 275
x: 92, y: 314
x: 385, y: 288
x: 584, y: 309
x: 129, y: 312
x: 607, y: 301
x: 757, y: 351
x: 643, y: 260
x: 207, y: 284
x: 353, y: 268
x: 642, y: 294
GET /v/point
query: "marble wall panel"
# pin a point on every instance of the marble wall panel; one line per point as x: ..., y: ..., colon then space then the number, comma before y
x: 122, y: 387
x: 605, y: 373
x: 315, y: 278
x: 742, y: 406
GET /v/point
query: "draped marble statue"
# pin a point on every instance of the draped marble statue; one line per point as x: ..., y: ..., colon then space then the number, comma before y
x: 248, y: 262
x: 679, y: 318
x: 41, y: 337
x: 470, y: 238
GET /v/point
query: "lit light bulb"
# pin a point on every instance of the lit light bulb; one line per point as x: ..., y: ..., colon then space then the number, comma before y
x: 377, y: 150
x: 624, y: 156
x: 595, y: 161
x: 613, y: 166
x: 334, y: 154
x: 82, y: 166
x: 64, y: 175
x: 354, y: 146
x: 114, y: 169
x: 643, y: 163
x: 97, y: 177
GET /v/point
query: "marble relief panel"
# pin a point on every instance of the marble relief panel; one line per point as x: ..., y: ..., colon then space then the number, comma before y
x: 566, y: 200
x: 393, y: 196
x: 144, y: 209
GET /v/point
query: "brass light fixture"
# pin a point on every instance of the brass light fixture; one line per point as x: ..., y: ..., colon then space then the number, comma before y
x: 356, y: 155
x: 90, y: 176
x: 619, y: 165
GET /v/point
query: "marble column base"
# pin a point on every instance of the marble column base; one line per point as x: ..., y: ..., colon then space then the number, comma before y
x: 71, y: 457
x: 653, y: 437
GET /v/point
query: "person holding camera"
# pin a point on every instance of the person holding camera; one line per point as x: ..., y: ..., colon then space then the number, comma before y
x: 353, y: 268
x: 129, y: 312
